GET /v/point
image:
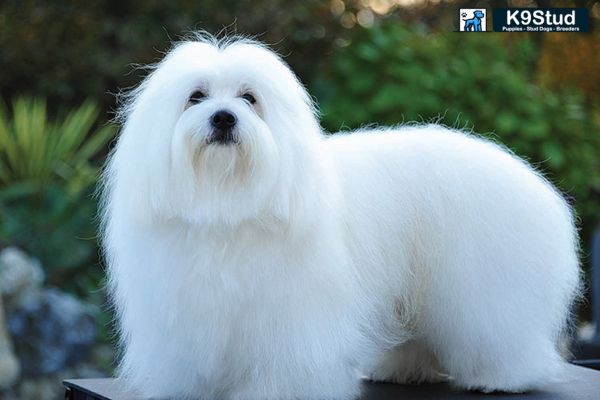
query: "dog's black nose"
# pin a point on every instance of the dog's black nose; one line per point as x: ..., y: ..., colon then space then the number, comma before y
x: 223, y: 120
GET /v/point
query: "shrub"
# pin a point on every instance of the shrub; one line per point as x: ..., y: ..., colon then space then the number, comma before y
x: 46, y: 179
x: 393, y: 74
x: 68, y: 51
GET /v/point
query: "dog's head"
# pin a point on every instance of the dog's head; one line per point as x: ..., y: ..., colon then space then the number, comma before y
x: 216, y: 133
x: 478, y: 14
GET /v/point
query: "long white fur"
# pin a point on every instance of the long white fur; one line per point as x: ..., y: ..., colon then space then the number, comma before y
x: 291, y: 264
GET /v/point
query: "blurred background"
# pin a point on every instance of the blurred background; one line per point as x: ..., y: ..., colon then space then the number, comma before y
x: 364, y: 61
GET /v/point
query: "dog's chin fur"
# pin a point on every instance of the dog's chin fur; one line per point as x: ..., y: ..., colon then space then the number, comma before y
x: 285, y: 264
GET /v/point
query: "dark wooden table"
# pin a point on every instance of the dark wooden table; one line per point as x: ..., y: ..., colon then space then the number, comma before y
x: 583, y: 385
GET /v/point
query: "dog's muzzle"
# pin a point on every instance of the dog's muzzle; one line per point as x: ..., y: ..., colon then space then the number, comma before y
x: 223, y: 122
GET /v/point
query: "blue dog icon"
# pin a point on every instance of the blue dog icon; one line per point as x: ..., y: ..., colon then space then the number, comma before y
x: 474, y: 24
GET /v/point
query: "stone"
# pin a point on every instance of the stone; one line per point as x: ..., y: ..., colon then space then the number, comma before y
x: 41, y: 388
x: 51, y: 330
x: 19, y: 273
x: 9, y: 364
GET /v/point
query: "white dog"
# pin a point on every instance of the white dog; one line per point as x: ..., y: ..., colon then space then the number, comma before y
x: 251, y: 257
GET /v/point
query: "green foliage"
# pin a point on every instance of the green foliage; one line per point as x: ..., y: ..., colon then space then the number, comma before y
x: 46, y: 179
x: 68, y: 51
x: 393, y: 74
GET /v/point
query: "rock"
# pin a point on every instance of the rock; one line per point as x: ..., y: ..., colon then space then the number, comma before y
x: 49, y: 387
x: 51, y: 331
x: 9, y: 365
x: 41, y: 388
x: 586, y: 331
x: 18, y: 273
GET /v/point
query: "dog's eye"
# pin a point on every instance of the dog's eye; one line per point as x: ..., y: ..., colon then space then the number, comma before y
x: 249, y: 98
x: 196, y: 97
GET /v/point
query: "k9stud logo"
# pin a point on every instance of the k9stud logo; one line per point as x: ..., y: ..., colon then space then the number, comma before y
x: 472, y: 19
x: 541, y: 19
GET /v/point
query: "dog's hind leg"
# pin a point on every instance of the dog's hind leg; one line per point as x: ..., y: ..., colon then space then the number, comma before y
x: 411, y: 362
x: 494, y: 317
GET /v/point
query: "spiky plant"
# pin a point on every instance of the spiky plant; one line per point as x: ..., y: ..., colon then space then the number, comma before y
x: 47, y: 174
